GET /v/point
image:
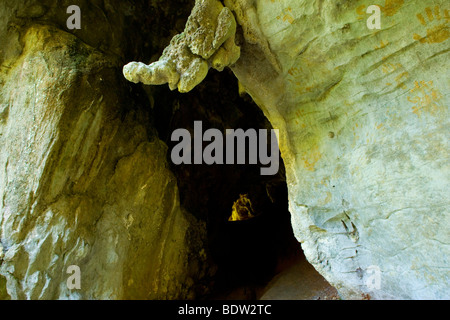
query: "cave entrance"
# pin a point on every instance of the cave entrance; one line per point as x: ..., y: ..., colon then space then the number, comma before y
x: 251, y: 240
x: 250, y: 237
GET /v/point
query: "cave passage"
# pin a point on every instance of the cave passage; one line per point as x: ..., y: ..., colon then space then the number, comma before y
x: 250, y: 236
x: 250, y: 252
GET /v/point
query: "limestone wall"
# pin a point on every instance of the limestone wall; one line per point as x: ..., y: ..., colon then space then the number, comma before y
x: 83, y: 177
x: 365, y: 129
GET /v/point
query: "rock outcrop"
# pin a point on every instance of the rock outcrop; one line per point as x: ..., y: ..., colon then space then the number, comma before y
x: 84, y: 179
x: 209, y: 39
x: 363, y: 120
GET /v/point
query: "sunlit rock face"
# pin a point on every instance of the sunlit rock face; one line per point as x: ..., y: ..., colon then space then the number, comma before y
x: 84, y: 179
x: 364, y: 125
x: 363, y: 120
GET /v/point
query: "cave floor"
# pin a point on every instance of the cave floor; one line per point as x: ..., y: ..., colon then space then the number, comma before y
x: 300, y: 281
x: 296, y: 280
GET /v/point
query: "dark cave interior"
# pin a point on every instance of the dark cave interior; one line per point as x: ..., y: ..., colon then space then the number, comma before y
x: 247, y: 253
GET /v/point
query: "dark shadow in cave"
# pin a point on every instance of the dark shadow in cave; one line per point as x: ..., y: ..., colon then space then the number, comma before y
x: 247, y: 253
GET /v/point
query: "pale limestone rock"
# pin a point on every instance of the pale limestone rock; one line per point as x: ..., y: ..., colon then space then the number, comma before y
x: 364, y: 125
x: 84, y: 181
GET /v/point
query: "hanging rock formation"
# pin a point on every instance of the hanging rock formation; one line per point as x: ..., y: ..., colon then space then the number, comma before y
x: 207, y: 40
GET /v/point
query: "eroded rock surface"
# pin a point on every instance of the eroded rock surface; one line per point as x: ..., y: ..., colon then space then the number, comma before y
x: 208, y: 40
x: 84, y: 179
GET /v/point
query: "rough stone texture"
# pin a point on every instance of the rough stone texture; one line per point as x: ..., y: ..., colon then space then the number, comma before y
x: 364, y: 126
x: 84, y: 180
x: 207, y: 40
